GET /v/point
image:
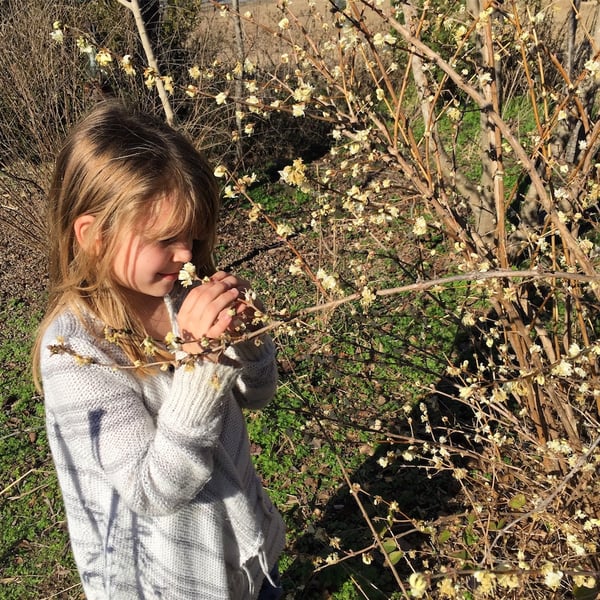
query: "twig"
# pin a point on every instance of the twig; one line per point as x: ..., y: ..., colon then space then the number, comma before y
x: 134, y: 7
x: 558, y: 489
x: 11, y: 485
x: 29, y: 492
x: 333, y: 304
x: 61, y: 592
x: 425, y: 285
x: 350, y: 554
x: 354, y: 492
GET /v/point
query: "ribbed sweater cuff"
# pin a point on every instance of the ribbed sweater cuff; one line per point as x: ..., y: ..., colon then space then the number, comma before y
x: 197, y: 392
x: 252, y: 350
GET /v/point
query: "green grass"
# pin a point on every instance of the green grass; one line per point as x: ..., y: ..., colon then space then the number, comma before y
x: 466, y: 134
x: 34, y: 553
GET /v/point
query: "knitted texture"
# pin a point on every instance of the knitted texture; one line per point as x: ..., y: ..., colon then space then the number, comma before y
x: 161, y: 496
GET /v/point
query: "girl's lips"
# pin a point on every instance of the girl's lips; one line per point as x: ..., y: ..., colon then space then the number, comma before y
x: 169, y: 276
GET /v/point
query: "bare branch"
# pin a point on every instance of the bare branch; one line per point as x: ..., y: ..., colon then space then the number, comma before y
x: 134, y: 7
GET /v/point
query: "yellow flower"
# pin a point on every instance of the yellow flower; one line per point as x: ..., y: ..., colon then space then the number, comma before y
x: 296, y: 267
x: 172, y: 341
x: 468, y: 319
x: 446, y: 588
x: 229, y: 192
x: 329, y: 282
x: 485, y: 78
x: 367, y: 297
x: 194, y: 72
x: 418, y: 585
x: 552, y: 578
x: 57, y: 33
x: 454, y: 114
x: 298, y: 110
x: 187, y: 274
x: 584, y: 581
x: 191, y: 91
x: 563, y: 369
x: 509, y: 580
x: 378, y: 39
x: 168, y: 83
x: 84, y: 46
x: 487, y: 581
x: 303, y: 93
x: 294, y: 174
x: 149, y: 347
x: 420, y: 226
x: 283, y: 230
x: 127, y: 65
x: 103, y: 57
x: 149, y: 77
x: 220, y: 171
x: 460, y: 33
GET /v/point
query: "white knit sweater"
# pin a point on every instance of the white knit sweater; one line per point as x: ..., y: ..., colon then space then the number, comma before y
x: 161, y: 496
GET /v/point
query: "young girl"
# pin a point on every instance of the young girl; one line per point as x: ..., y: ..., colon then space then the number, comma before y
x: 151, y: 450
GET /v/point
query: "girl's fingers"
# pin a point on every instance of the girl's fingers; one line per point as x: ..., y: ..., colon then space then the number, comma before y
x: 232, y: 280
x: 205, y: 311
x: 218, y: 276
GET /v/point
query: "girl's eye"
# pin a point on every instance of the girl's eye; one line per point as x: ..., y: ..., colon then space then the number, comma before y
x: 175, y: 240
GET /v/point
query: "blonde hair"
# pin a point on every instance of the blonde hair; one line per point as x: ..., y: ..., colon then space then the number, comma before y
x: 119, y: 166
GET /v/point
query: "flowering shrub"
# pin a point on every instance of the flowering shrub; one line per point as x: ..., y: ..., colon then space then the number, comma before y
x: 452, y: 225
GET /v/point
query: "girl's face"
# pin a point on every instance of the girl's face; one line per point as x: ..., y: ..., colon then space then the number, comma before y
x: 145, y: 263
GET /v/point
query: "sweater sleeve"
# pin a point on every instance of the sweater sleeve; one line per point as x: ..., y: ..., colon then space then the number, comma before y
x: 257, y: 383
x: 99, y: 415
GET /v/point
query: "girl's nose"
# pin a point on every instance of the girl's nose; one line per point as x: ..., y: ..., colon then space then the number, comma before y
x: 183, y: 253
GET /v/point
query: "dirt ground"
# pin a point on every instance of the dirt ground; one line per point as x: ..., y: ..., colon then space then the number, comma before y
x: 22, y: 268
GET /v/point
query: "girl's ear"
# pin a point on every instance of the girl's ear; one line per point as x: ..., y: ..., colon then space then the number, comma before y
x: 83, y: 229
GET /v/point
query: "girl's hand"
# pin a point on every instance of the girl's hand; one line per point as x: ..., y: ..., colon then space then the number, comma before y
x: 244, y: 319
x: 205, y: 313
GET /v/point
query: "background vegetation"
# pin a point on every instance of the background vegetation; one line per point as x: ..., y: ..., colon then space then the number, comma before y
x: 413, y: 188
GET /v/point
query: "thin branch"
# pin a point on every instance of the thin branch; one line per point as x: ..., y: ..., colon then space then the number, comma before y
x: 556, y: 491
x: 16, y: 481
x: 61, y: 592
x: 134, y: 7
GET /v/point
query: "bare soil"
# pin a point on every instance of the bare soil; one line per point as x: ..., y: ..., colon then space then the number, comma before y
x: 22, y: 269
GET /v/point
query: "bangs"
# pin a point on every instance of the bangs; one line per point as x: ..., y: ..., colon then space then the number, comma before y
x: 183, y: 218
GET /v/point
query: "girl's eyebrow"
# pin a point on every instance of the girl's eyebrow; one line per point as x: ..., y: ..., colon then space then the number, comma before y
x: 167, y: 232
